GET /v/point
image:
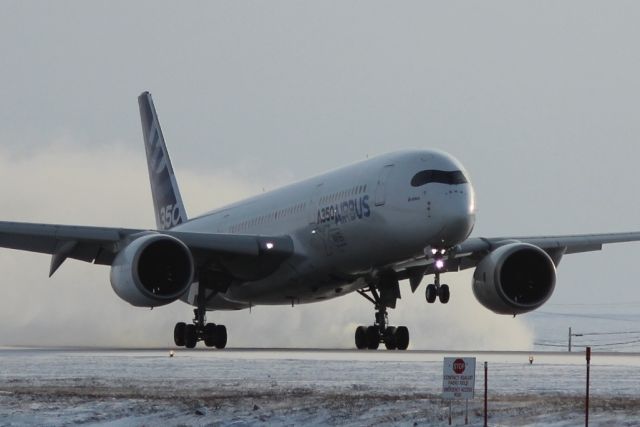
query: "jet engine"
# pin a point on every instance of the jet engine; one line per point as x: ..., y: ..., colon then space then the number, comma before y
x: 515, y: 278
x: 152, y: 270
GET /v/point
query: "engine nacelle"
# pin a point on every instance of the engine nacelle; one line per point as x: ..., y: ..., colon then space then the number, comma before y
x: 515, y: 278
x: 152, y: 270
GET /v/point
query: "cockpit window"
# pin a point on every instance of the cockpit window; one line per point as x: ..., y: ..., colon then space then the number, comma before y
x: 441, y: 177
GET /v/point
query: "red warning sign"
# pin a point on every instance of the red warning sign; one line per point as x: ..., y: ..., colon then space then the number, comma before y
x: 458, y: 378
x: 458, y: 366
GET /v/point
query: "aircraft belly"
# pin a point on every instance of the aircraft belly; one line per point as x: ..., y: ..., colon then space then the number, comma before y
x: 296, y: 295
x: 303, y: 284
x: 280, y: 289
x: 219, y: 302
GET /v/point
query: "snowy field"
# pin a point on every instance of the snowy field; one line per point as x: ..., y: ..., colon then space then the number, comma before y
x: 305, y: 387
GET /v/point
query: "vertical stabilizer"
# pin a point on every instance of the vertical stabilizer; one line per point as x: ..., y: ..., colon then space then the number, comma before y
x: 167, y: 202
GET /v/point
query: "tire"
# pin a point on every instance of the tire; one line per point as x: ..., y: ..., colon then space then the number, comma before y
x: 444, y: 294
x: 178, y: 334
x: 402, y: 337
x: 373, y: 338
x: 431, y: 294
x: 190, y: 336
x: 361, y: 338
x: 221, y: 337
x: 210, y: 334
x: 390, y: 338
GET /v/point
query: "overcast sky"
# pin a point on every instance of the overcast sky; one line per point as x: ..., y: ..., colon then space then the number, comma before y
x: 539, y: 100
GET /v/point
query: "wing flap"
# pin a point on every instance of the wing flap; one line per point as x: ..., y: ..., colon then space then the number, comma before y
x: 235, y: 244
x: 62, y: 252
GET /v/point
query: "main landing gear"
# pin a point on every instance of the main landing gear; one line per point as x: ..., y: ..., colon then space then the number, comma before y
x: 370, y: 337
x: 187, y: 335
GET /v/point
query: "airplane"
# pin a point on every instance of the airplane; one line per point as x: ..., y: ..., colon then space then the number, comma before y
x: 361, y: 228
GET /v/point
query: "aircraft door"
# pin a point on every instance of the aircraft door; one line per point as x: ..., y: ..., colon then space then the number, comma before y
x: 381, y: 188
x: 319, y: 232
x: 314, y: 204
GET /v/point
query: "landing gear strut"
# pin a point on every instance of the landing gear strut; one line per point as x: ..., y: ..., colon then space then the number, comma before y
x: 188, y: 335
x: 370, y: 337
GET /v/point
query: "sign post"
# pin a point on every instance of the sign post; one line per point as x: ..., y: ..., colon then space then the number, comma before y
x: 466, y: 412
x: 486, y: 371
x: 586, y: 402
x: 458, y: 380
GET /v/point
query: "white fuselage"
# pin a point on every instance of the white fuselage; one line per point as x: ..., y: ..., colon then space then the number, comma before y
x: 347, y: 225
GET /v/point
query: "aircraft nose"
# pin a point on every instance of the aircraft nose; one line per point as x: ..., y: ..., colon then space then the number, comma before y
x: 457, y: 214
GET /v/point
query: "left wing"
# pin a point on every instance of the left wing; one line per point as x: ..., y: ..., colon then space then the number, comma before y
x: 470, y: 252
x: 100, y: 245
x: 90, y: 244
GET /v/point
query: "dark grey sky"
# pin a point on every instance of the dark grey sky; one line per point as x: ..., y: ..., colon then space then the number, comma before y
x: 539, y: 100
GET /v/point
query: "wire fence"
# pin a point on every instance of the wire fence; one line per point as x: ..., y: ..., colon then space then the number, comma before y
x: 609, y: 340
x: 607, y: 326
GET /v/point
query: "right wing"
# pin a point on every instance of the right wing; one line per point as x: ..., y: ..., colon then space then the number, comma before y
x: 570, y: 244
x: 470, y: 252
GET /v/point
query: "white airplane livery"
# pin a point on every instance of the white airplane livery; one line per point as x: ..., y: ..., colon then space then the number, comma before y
x: 362, y: 228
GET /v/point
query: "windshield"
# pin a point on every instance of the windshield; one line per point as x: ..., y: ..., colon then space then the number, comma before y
x: 441, y: 177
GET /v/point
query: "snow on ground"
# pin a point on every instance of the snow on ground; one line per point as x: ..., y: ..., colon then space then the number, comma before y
x: 305, y: 387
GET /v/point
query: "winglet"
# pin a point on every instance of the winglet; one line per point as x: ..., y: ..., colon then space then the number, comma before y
x: 167, y: 201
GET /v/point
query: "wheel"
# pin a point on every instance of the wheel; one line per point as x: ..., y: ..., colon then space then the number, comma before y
x: 402, y: 337
x: 373, y: 338
x: 178, y: 334
x: 210, y: 334
x: 361, y: 337
x: 221, y: 336
x: 390, y: 338
x: 431, y: 293
x: 444, y: 294
x: 190, y: 336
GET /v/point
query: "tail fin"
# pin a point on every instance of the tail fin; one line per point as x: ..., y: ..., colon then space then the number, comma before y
x: 167, y: 202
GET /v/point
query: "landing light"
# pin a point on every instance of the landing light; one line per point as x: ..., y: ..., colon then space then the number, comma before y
x: 439, y: 264
x: 269, y: 245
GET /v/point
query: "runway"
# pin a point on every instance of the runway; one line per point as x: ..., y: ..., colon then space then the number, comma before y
x: 303, y: 386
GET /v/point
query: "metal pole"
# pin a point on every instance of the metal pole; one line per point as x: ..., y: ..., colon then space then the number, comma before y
x: 569, y: 339
x: 466, y: 413
x: 449, y: 412
x: 586, y: 403
x: 485, y: 394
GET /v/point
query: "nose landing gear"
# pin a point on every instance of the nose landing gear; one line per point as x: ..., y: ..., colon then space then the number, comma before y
x: 370, y: 337
x: 436, y: 290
